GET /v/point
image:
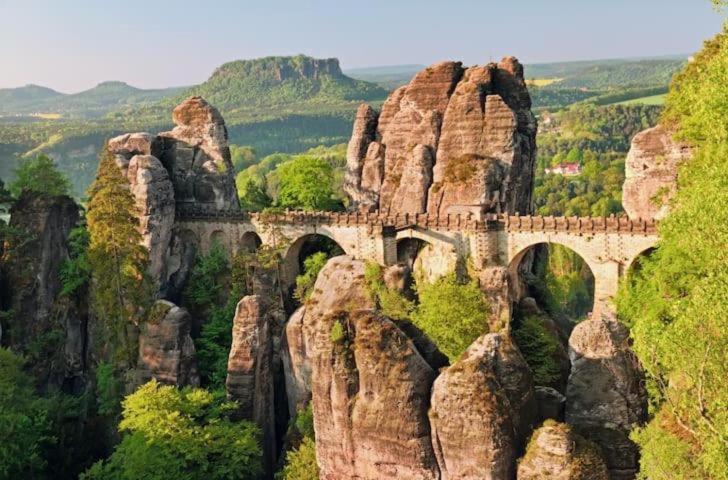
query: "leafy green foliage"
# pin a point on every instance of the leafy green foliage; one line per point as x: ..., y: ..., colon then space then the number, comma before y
x: 40, y: 175
x: 301, y: 460
x: 181, y: 434
x: 242, y: 156
x: 391, y: 302
x: 539, y: 347
x: 452, y: 313
x: 337, y: 333
x: 212, y: 293
x: 564, y: 283
x: 24, y: 424
x: 311, y: 268
x: 75, y: 271
x: 108, y: 389
x: 301, y: 463
x: 120, y: 289
x: 675, y: 301
x: 305, y: 183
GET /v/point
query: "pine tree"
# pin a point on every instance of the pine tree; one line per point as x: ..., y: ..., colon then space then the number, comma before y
x: 120, y: 288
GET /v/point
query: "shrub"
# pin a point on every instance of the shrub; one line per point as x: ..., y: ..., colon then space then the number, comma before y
x: 182, y: 434
x: 301, y: 463
x: 311, y: 268
x: 451, y: 313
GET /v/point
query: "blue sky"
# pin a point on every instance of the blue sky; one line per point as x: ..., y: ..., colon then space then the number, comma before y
x: 71, y: 45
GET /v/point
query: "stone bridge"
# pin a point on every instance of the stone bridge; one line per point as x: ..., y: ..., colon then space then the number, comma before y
x: 608, y: 245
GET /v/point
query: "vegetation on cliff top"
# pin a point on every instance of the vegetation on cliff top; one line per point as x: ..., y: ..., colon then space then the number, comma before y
x: 676, y: 301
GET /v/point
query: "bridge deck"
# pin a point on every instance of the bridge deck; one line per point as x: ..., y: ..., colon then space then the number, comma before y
x: 454, y: 222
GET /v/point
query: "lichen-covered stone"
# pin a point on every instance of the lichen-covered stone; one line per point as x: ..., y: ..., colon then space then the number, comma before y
x: 166, y: 349
x: 482, y: 410
x: 250, y: 370
x: 651, y: 172
x: 197, y: 155
x: 556, y: 452
x: 154, y: 197
x: 605, y: 395
x: 370, y: 385
x: 453, y: 140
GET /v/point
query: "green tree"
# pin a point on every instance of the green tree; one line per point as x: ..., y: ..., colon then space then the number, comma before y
x: 183, y: 434
x: 452, y: 313
x: 120, y: 289
x: 252, y: 193
x: 25, y: 428
x: 311, y: 268
x: 676, y: 301
x: 40, y: 175
x: 305, y: 183
x: 242, y: 156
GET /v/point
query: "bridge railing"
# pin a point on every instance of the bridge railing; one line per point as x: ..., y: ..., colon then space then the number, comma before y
x: 450, y: 222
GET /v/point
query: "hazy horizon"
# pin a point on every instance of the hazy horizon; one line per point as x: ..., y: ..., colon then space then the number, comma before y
x: 170, y: 44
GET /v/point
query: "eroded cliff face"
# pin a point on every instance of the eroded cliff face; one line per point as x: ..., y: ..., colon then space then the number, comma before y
x: 189, y: 165
x: 453, y: 140
x: 482, y: 411
x: 32, y: 283
x: 166, y: 349
x: 605, y: 395
x: 651, y: 172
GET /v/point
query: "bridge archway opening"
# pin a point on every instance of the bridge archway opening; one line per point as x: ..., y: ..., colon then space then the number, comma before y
x: 249, y: 242
x: 557, y: 278
x: 296, y: 255
x: 637, y: 263
x: 429, y: 259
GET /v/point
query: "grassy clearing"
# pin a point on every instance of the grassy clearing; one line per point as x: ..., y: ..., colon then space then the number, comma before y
x: 651, y: 100
x: 541, y: 82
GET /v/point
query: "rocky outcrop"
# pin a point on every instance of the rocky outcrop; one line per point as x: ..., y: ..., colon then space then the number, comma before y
x: 154, y: 196
x: 166, y: 349
x: 482, y: 411
x: 197, y: 156
x: 31, y: 276
x: 250, y: 370
x: 370, y: 386
x: 295, y: 354
x: 556, y: 452
x: 651, y: 172
x: 605, y: 395
x: 453, y: 140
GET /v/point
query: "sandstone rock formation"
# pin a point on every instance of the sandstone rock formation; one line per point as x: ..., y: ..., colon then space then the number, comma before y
x: 250, y: 370
x: 154, y: 198
x: 197, y: 155
x: 651, y: 172
x: 551, y: 403
x: 188, y: 166
x: 295, y: 354
x: 370, y: 386
x: 482, y: 410
x: 31, y: 283
x: 453, y: 140
x: 166, y: 349
x: 605, y: 395
x: 556, y: 452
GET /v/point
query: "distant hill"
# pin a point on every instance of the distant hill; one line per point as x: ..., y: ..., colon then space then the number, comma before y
x: 275, y: 104
x: 605, y: 74
x: 94, y: 102
x: 388, y: 76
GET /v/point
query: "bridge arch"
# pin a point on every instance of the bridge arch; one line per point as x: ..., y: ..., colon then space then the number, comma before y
x: 431, y: 253
x: 249, y: 242
x: 303, y: 247
x: 534, y: 259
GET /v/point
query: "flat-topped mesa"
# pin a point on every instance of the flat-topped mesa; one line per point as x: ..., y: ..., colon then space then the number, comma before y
x: 453, y: 140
